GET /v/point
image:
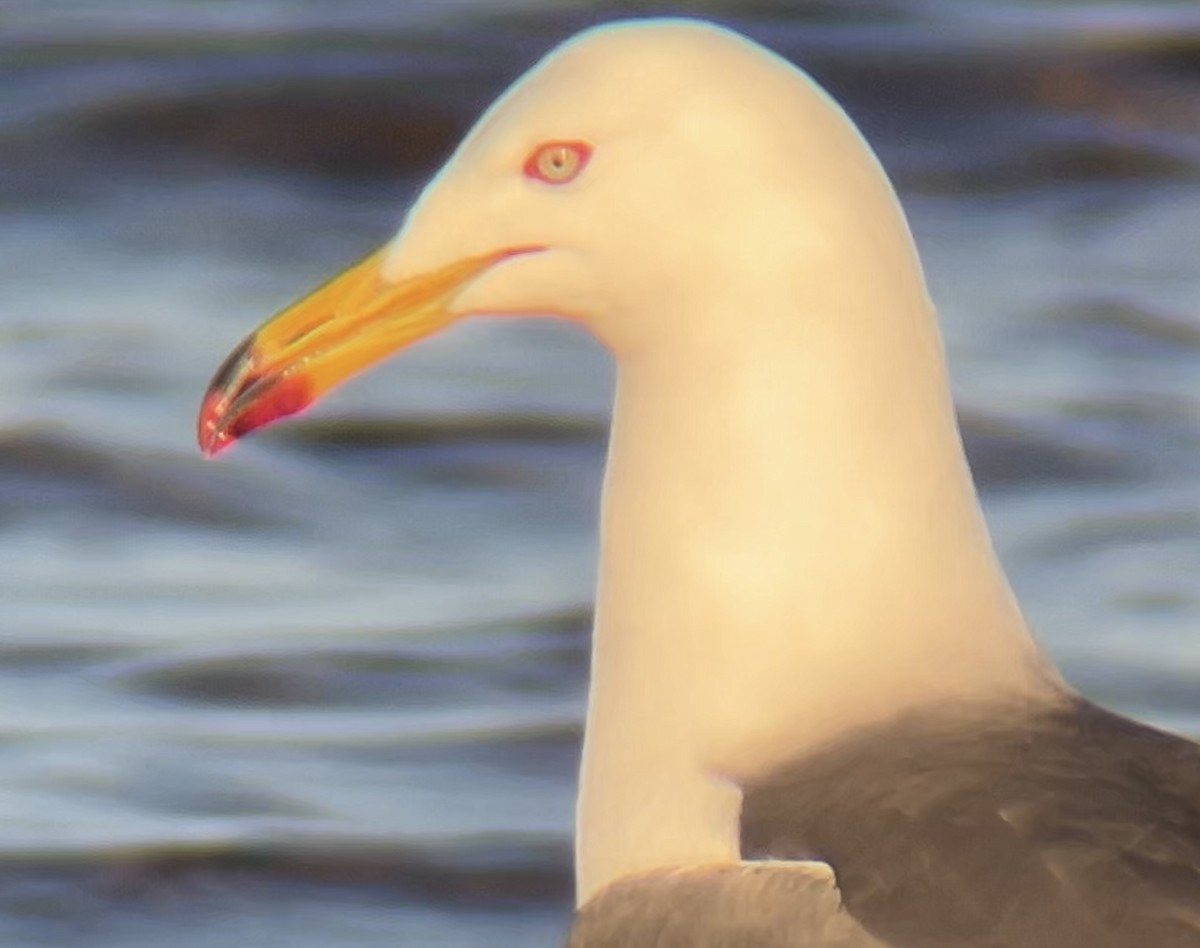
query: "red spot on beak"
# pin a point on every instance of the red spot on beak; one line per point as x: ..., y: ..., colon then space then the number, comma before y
x: 258, y: 402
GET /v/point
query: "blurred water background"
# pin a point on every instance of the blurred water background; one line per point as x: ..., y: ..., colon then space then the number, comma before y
x: 329, y: 690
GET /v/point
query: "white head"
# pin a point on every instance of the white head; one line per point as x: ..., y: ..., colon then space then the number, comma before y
x: 697, y: 153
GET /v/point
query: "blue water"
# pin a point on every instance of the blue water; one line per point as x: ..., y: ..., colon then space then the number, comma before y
x: 329, y: 690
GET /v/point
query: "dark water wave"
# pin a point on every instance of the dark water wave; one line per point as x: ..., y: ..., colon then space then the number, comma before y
x: 1125, y: 324
x: 469, y: 873
x: 333, y: 433
x: 1005, y: 453
x: 1095, y: 531
x: 47, y: 469
x: 543, y: 655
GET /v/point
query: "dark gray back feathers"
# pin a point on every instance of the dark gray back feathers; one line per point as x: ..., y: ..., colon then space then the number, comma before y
x: 999, y: 828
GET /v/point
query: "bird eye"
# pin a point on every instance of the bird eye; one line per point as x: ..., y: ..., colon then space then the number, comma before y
x: 557, y: 162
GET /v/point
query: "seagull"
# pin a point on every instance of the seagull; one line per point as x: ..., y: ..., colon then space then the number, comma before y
x: 816, y: 715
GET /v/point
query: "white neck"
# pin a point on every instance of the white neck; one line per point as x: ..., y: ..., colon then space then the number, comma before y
x: 791, y: 547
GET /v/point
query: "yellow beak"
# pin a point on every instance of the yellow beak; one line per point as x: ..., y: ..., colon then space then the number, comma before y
x: 341, y: 328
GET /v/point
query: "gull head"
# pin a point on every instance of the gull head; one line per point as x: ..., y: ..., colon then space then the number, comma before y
x: 636, y: 170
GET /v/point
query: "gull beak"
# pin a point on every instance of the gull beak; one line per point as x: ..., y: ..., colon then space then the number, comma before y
x: 341, y: 328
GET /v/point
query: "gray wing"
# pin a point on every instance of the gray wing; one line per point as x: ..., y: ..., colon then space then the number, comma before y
x: 989, y: 828
x: 748, y: 905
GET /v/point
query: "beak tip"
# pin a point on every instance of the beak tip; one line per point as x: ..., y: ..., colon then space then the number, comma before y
x: 210, y: 435
x: 214, y: 446
x: 224, y: 418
